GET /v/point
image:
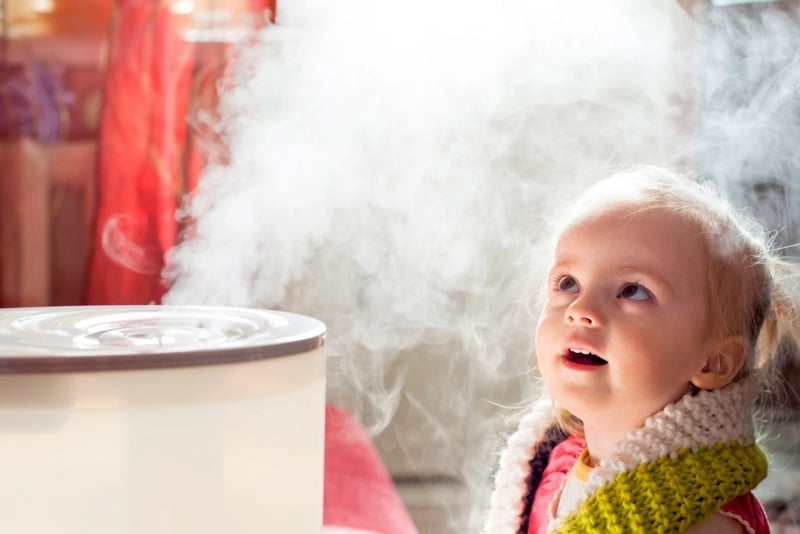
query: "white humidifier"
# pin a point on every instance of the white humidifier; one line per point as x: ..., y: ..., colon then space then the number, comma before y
x: 160, y: 419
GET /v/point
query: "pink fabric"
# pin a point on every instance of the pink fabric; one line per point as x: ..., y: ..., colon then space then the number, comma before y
x: 561, y: 461
x: 359, y: 493
x: 748, y: 511
x: 142, y: 135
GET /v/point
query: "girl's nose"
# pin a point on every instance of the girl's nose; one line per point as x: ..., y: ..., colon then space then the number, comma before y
x: 581, y: 313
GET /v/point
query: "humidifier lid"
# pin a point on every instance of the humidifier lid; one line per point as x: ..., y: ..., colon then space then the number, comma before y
x: 104, y: 338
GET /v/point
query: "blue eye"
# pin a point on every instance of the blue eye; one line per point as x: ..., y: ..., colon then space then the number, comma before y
x: 635, y: 292
x: 568, y: 284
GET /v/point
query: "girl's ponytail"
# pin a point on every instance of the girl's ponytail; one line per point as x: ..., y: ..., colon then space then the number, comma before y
x: 782, y: 315
x: 778, y: 342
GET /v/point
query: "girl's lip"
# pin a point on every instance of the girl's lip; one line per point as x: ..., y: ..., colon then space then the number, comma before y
x: 578, y: 346
x: 573, y: 357
x: 578, y: 366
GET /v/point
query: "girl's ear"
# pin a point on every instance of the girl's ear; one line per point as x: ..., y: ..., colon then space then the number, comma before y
x: 722, y: 366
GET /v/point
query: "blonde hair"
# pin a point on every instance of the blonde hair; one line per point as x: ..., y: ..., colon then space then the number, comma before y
x: 752, y: 291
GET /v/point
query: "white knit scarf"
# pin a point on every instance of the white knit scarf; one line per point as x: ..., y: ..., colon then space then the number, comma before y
x: 696, y: 420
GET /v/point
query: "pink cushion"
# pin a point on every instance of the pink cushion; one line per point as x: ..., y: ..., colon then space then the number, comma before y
x: 359, y: 493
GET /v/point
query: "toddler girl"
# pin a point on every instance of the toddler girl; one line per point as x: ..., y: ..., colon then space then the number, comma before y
x: 663, y: 319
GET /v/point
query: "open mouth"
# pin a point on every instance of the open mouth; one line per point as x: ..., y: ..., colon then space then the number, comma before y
x: 583, y: 357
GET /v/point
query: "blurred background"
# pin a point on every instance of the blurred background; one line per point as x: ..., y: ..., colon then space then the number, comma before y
x: 386, y: 167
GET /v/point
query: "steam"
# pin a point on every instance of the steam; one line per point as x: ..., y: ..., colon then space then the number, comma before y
x: 750, y: 111
x: 392, y: 167
x: 119, y: 242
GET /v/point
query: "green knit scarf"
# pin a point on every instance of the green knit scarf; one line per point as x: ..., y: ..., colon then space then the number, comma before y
x: 685, y: 462
x: 672, y: 493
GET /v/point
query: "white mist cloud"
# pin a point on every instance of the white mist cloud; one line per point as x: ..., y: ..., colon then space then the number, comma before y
x: 392, y: 166
x: 749, y: 119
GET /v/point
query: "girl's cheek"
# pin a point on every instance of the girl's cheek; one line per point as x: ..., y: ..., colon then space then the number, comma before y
x: 558, y: 298
x: 559, y: 304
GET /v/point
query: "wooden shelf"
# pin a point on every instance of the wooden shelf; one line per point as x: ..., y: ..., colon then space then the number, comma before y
x: 47, y: 196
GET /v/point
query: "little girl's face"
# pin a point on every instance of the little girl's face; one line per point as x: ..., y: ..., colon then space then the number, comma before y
x: 625, y: 325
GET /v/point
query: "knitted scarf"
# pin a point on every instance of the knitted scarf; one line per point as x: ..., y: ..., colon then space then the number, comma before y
x: 686, y: 461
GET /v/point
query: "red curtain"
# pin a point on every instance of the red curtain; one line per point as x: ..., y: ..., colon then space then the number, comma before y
x: 146, y: 162
x: 143, y: 130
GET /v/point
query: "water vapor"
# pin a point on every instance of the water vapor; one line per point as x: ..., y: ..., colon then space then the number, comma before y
x: 749, y: 119
x: 392, y: 168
